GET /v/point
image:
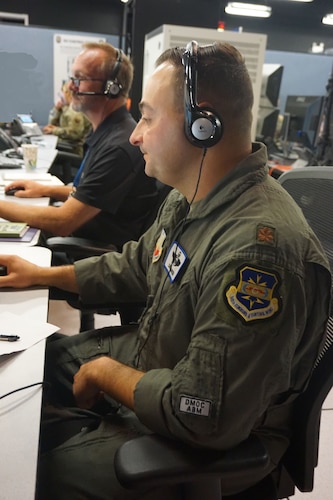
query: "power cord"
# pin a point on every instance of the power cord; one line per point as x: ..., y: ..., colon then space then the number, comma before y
x: 181, y: 229
x: 22, y: 389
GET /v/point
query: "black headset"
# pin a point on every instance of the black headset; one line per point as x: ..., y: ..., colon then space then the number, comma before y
x: 112, y: 86
x: 203, y: 127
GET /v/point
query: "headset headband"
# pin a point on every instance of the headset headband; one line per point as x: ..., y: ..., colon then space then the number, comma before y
x: 117, y: 64
x: 203, y: 127
x: 190, y: 61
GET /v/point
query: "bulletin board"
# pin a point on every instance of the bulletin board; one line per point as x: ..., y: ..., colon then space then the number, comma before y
x: 29, y: 81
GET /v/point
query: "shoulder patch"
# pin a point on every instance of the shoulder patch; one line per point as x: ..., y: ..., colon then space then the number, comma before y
x: 252, y: 296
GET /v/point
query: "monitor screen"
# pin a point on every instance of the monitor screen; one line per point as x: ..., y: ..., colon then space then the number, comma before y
x: 304, y: 114
x: 25, y: 118
x: 270, y: 85
x: 266, y: 124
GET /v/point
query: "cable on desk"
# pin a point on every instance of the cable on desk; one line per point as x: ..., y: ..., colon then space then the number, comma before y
x: 22, y: 389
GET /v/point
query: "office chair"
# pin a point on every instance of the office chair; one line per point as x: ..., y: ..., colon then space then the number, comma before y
x: 80, y: 248
x: 312, y: 188
x: 65, y: 165
x: 153, y: 461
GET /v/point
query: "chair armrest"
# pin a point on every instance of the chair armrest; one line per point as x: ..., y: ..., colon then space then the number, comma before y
x: 149, y: 461
x: 79, y: 247
x: 69, y: 156
x: 66, y: 147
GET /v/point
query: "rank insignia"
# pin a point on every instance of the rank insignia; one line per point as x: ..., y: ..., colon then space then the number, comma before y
x: 252, y: 295
x: 266, y: 234
x: 159, y: 247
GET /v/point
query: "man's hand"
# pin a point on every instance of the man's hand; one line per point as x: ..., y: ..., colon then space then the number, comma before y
x: 48, y: 129
x: 105, y: 375
x: 20, y: 273
x: 30, y: 189
x: 86, y: 388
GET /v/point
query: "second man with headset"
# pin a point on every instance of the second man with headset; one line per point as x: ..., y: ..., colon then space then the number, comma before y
x: 111, y: 195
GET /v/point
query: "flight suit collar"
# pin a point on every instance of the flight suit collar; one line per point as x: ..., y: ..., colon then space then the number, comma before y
x: 250, y: 171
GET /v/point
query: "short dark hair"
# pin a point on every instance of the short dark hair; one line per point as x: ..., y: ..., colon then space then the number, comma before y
x: 223, y: 81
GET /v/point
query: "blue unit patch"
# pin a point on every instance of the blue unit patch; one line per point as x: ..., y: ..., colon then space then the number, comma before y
x: 175, y: 261
x: 252, y: 295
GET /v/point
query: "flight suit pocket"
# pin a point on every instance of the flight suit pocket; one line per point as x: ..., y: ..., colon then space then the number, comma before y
x: 198, y: 384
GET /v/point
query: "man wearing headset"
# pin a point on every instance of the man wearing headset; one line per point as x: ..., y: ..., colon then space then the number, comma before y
x: 111, y: 195
x: 237, y: 294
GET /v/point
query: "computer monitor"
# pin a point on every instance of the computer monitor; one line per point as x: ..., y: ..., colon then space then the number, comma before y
x: 312, y: 122
x: 304, y: 114
x: 267, y: 122
x: 270, y: 85
x: 268, y: 111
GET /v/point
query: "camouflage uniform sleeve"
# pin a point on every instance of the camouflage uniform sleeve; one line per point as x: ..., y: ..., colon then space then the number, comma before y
x: 71, y: 126
x: 54, y: 116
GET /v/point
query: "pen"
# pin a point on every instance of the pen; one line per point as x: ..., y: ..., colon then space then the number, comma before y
x: 9, y: 338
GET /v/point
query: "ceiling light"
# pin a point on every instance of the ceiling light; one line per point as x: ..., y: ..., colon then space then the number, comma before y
x: 328, y: 19
x: 248, y: 9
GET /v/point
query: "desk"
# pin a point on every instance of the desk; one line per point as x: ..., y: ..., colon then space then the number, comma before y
x: 20, y: 412
x: 45, y: 141
x: 47, y: 151
x: 5, y: 178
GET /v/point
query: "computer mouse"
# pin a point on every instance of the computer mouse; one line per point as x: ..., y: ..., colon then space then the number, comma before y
x: 3, y: 270
x: 12, y: 191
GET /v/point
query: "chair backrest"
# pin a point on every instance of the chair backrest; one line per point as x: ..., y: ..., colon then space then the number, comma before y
x: 162, y: 191
x: 302, y: 456
x: 312, y: 188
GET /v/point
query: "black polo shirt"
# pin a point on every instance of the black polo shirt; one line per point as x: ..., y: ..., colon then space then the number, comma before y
x: 113, y: 180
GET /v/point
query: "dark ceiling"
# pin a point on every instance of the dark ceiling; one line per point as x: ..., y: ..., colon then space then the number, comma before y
x: 306, y: 14
x: 288, y: 18
x: 293, y: 26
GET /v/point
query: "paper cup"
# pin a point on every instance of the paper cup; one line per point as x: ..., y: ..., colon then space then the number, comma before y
x: 30, y: 156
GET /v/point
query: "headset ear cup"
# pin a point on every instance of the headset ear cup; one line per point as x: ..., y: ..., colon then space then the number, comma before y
x: 112, y: 89
x: 205, y: 128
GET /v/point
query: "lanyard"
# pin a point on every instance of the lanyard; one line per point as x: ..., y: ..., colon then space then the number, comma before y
x: 79, y: 172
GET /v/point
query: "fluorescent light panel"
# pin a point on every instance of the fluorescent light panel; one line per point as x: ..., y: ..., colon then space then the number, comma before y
x: 328, y: 19
x: 248, y: 9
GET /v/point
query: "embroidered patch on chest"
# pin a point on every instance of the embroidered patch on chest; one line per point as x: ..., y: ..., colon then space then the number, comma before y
x: 195, y: 406
x: 159, y: 247
x: 175, y: 261
x: 252, y: 296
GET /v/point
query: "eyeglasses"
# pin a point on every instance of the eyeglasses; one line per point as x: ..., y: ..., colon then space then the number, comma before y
x: 76, y: 81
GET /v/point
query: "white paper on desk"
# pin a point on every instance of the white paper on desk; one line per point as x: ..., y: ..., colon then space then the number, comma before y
x: 13, y: 176
x: 29, y: 330
x: 43, y: 178
x: 45, y: 157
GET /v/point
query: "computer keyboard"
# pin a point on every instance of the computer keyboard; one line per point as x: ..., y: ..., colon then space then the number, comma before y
x: 6, y: 162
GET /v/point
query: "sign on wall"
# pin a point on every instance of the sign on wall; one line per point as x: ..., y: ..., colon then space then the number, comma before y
x: 65, y: 49
x: 27, y: 67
